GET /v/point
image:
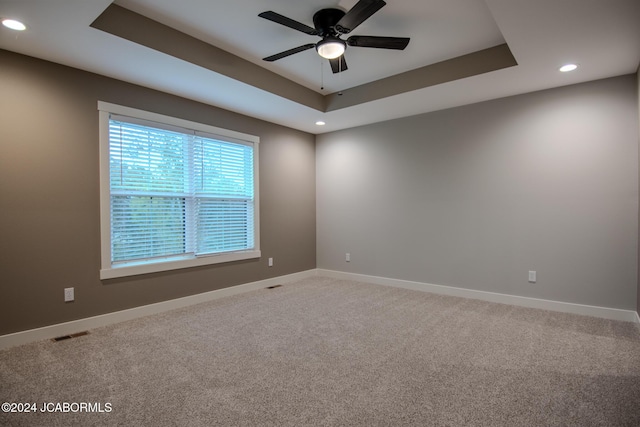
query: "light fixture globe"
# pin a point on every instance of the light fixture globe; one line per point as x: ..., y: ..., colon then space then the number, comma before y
x: 331, y: 47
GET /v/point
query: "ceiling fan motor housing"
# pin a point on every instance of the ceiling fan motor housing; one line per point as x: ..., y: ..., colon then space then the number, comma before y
x: 325, y: 21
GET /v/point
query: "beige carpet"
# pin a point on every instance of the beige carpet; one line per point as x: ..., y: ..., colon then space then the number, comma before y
x: 330, y: 352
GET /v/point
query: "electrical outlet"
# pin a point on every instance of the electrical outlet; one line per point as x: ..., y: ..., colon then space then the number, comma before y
x: 68, y: 295
x: 270, y: 262
x: 347, y: 257
x: 532, y: 277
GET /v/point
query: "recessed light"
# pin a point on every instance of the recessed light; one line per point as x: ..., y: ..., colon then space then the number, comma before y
x: 568, y: 67
x: 320, y: 123
x: 14, y: 25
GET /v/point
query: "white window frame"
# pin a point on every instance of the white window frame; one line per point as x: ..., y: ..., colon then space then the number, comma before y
x: 109, y: 270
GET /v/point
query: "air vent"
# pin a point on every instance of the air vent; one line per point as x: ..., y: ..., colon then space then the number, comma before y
x: 66, y: 337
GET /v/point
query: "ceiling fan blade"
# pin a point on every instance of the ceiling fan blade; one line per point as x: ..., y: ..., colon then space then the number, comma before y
x: 338, y: 64
x: 288, y: 22
x: 358, y: 14
x: 398, y: 43
x: 289, y: 52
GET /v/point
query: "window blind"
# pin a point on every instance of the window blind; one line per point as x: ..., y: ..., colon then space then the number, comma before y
x: 177, y: 192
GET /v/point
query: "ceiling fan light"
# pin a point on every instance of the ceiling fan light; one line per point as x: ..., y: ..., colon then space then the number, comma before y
x: 331, y: 48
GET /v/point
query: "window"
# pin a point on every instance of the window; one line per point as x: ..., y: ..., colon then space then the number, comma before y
x: 174, y: 193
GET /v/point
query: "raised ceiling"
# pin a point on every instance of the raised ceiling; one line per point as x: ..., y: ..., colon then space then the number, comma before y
x: 461, y: 51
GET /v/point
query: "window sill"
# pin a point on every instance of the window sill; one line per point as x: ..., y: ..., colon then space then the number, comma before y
x: 126, y: 270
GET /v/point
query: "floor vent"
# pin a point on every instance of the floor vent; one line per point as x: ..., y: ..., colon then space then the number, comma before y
x: 66, y: 337
x: 273, y: 287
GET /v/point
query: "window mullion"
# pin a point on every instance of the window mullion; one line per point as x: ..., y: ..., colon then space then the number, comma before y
x: 190, y: 190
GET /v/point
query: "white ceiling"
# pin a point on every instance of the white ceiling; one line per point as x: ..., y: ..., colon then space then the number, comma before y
x: 602, y: 36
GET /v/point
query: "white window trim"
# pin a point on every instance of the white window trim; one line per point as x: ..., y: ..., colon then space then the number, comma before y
x: 109, y: 271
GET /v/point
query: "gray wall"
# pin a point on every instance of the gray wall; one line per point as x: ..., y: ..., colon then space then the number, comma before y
x: 49, y: 213
x: 638, y: 99
x: 476, y: 196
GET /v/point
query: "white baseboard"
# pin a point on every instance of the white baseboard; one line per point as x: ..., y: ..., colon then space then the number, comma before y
x: 74, y: 326
x: 565, y: 307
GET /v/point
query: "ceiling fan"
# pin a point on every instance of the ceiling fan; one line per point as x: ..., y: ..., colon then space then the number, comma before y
x: 330, y: 24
